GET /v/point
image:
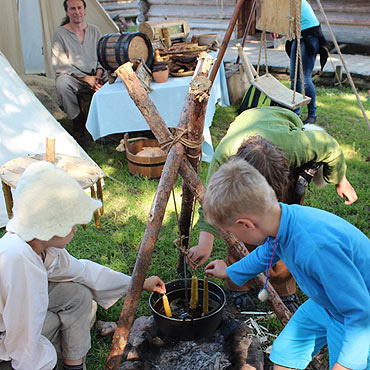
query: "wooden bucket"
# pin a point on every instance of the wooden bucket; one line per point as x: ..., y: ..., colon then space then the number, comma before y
x: 115, y: 49
x: 150, y: 167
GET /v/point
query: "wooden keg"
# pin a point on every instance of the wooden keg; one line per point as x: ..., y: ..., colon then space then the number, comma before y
x: 115, y: 49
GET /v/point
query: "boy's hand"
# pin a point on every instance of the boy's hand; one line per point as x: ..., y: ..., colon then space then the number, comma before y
x: 217, y: 269
x: 154, y: 284
x: 199, y: 254
x: 345, y: 190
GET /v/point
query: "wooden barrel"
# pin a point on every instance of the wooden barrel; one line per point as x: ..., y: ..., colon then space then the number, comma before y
x: 115, y: 49
x: 150, y: 167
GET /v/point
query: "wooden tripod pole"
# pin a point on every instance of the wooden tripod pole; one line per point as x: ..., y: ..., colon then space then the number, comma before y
x: 194, y: 134
x: 195, y: 126
x: 226, y: 39
x: 176, y: 162
x: 155, y: 218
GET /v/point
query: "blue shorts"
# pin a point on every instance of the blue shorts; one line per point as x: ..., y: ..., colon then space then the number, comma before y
x: 310, y: 329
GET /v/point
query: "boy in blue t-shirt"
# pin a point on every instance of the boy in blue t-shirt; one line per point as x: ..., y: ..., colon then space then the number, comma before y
x: 328, y: 257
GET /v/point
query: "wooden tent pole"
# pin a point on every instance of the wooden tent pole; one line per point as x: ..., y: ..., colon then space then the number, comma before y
x: 344, y: 64
x: 247, y: 28
x: 225, y: 41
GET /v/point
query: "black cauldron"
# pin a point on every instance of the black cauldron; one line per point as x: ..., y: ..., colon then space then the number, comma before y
x: 188, y: 328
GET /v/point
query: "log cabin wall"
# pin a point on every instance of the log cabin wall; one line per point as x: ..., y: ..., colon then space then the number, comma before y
x: 203, y: 16
x: 350, y: 20
x: 128, y: 9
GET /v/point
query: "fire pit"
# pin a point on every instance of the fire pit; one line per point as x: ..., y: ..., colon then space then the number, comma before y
x: 186, y: 324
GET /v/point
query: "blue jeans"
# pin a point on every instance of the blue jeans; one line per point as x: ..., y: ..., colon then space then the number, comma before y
x: 308, y: 62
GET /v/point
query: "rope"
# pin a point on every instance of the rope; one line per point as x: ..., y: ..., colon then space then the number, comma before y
x: 298, y: 57
x: 176, y: 242
x: 263, y: 43
x: 178, y: 137
x: 265, y: 46
x: 259, y: 58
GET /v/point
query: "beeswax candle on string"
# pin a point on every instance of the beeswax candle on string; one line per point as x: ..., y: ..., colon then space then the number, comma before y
x: 205, y: 295
x: 194, y: 292
x: 166, y: 306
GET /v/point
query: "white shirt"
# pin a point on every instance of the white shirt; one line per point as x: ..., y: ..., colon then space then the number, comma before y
x: 24, y: 297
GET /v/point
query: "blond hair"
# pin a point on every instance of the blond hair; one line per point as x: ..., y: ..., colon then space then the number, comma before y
x: 236, y: 189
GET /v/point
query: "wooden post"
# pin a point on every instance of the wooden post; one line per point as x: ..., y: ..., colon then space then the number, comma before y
x: 50, y: 149
x: 195, y: 125
x: 96, y: 212
x: 8, y: 199
x: 99, y: 187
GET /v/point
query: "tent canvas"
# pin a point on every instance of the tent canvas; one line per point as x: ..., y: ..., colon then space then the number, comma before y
x: 28, y: 27
x: 25, y: 124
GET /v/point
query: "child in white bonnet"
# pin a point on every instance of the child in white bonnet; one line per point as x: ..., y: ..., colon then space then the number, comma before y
x: 45, y: 293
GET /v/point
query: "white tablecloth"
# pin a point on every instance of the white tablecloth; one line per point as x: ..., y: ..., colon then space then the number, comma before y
x: 113, y: 111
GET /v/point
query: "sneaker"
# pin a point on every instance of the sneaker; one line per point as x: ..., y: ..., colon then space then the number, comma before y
x: 291, y: 302
x: 310, y: 120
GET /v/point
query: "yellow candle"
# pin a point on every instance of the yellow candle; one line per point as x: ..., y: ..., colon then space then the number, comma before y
x: 194, y: 292
x: 166, y: 306
x: 205, y: 295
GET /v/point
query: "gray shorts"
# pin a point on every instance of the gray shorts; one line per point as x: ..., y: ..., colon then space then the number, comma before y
x: 68, y: 321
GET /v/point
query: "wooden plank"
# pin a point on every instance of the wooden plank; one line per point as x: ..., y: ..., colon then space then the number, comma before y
x: 210, y: 3
x: 357, y: 20
x: 279, y: 93
x: 188, y: 12
x: 362, y: 6
x: 273, y: 16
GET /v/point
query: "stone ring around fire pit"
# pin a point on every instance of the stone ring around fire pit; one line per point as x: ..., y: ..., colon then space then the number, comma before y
x: 185, y: 327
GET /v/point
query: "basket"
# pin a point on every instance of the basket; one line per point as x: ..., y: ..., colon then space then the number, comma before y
x: 150, y: 167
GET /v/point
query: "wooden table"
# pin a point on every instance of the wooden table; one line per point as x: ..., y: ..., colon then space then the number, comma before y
x: 85, y: 173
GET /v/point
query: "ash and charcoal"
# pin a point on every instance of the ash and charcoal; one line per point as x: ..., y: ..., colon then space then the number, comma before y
x: 192, y: 355
x: 232, y: 347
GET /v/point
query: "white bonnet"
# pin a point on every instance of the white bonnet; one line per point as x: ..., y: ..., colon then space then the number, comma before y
x: 48, y: 202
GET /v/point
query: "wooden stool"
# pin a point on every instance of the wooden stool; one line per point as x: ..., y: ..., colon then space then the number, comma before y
x: 85, y: 173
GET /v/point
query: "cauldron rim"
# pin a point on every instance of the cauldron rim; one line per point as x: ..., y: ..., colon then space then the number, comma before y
x: 212, y: 313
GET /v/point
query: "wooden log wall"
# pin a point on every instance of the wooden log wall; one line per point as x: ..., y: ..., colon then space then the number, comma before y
x: 203, y: 16
x: 350, y: 20
x: 125, y: 8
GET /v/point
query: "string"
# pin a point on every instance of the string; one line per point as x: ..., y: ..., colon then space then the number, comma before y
x: 272, y: 256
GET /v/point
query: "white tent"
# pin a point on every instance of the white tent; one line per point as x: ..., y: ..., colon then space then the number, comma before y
x: 25, y: 124
x: 28, y: 27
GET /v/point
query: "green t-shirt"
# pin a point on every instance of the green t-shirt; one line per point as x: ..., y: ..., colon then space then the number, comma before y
x: 284, y: 129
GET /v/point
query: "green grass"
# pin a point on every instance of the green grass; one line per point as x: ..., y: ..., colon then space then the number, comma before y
x: 128, y: 201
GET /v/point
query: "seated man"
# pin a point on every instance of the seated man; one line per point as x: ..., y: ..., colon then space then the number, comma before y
x: 75, y: 61
x: 288, y: 146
